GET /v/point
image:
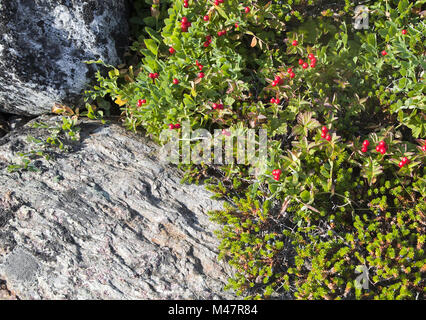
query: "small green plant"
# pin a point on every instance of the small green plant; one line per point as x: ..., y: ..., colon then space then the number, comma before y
x: 60, y: 137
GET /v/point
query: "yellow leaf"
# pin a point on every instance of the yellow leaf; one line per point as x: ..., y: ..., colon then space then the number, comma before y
x: 119, y: 101
x: 253, y: 42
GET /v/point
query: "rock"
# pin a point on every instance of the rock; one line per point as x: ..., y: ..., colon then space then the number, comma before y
x: 44, y: 45
x: 107, y: 220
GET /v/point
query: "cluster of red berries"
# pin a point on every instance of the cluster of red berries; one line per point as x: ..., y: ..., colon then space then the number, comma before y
x: 276, y: 173
x: 174, y: 126
x: 208, y: 41
x: 324, y: 133
x: 141, y: 102
x: 305, y: 65
x: 199, y: 65
x: 291, y: 73
x: 277, y: 81
x: 221, y: 32
x: 403, y: 162
x: 277, y: 101
x: 382, y: 147
x: 153, y: 75
x: 185, y: 24
x: 185, y: 4
x: 217, y: 106
x: 218, y: 2
x: 365, y: 145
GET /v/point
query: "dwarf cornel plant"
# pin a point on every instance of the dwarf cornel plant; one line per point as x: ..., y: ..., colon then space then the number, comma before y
x: 339, y: 212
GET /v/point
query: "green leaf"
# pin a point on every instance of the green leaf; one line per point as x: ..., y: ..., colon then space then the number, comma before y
x: 402, y: 6
x: 151, y: 46
x: 305, y: 196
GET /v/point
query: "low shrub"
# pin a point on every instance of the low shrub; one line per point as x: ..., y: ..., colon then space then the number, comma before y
x: 342, y: 197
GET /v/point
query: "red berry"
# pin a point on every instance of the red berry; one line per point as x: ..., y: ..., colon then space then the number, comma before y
x: 289, y: 70
x: 175, y: 81
x: 155, y: 75
x: 313, y: 65
x: 276, y: 172
x: 404, y: 31
x: 216, y: 2
x: 246, y: 9
x: 424, y: 148
x: 382, y: 143
x: 209, y: 38
x: 151, y: 75
x: 277, y: 101
x: 177, y: 126
x: 384, y: 53
x: 382, y: 150
x: 201, y: 75
x: 295, y: 43
x: 171, y: 126
x: 184, y: 20
x: 220, y: 106
x: 323, y: 134
x: 404, y: 160
x: 401, y: 164
x: 311, y: 56
x: 272, y: 100
x: 277, y: 78
x: 324, y: 129
x: 185, y: 4
x: 378, y: 149
x: 364, y: 149
x: 206, y: 18
x: 206, y: 44
x: 305, y: 65
x: 274, y: 83
x: 214, y: 106
x: 314, y: 60
x: 328, y: 137
x: 172, y: 50
x: 301, y: 61
x: 200, y: 67
x: 237, y: 26
x: 292, y: 75
x: 366, y: 143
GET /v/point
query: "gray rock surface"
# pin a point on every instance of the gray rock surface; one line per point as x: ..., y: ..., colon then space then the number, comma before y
x: 107, y: 220
x: 43, y: 45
